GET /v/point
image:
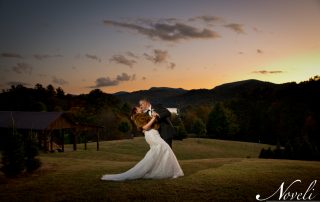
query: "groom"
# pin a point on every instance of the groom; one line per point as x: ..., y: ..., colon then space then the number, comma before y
x: 166, y: 129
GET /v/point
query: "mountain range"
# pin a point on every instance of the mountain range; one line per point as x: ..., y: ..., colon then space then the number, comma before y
x: 178, y: 97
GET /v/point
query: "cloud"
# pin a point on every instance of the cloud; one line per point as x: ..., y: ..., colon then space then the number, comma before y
x: 93, y: 57
x: 11, y: 55
x: 130, y: 54
x: 238, y: 28
x: 166, y: 31
x: 125, y: 77
x: 171, y: 65
x: 133, y: 77
x: 107, y: 81
x: 59, y: 81
x: 159, y: 56
x: 268, y: 72
x: 36, y: 56
x: 207, y: 19
x: 257, y: 30
x: 15, y: 83
x: 120, y: 59
x: 259, y: 51
x: 22, y: 68
x: 45, y: 56
x: 150, y: 21
x: 104, y: 82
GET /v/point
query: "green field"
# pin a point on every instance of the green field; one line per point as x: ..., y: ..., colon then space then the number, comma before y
x: 215, y: 170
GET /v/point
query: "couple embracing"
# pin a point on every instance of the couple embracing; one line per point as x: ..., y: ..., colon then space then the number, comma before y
x: 159, y: 162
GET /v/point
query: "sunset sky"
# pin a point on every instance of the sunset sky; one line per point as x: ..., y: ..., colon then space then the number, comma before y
x: 133, y: 45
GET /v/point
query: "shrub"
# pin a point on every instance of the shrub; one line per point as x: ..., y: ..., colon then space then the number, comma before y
x: 18, y: 154
x: 13, y: 161
x: 31, y: 151
x: 32, y: 164
x: 199, y: 128
x: 124, y: 127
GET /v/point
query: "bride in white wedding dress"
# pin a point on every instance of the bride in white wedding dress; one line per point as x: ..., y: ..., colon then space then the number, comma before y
x: 159, y: 162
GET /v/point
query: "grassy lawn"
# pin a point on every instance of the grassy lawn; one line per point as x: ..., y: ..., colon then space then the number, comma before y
x: 215, y: 170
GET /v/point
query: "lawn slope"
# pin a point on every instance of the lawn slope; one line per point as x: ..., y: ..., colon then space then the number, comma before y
x: 215, y: 170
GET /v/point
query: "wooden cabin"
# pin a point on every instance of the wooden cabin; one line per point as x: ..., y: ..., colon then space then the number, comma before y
x: 50, y: 127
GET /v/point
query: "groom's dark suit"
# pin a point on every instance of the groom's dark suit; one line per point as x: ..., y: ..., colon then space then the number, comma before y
x: 166, y: 129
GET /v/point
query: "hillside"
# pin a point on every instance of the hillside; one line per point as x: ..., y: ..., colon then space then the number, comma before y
x: 156, y: 94
x: 215, y: 170
x: 173, y: 97
x: 239, y: 88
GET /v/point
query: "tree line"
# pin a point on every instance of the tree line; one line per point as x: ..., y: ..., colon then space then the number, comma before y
x: 286, y: 115
x: 96, y: 107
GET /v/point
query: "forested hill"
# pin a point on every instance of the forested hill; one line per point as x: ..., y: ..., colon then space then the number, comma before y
x: 284, y: 114
x: 162, y: 95
x: 50, y: 98
x: 178, y: 97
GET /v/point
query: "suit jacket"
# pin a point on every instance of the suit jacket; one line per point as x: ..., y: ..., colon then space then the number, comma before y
x: 166, y: 129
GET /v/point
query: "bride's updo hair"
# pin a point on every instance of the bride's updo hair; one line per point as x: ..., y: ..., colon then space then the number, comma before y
x: 133, y: 112
x: 141, y: 119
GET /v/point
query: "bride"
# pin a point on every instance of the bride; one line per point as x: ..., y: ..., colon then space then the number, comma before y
x: 159, y: 162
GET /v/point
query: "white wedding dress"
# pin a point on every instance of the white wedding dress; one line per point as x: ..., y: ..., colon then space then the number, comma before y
x: 158, y: 163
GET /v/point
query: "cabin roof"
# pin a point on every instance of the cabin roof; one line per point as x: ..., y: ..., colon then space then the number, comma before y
x: 30, y: 120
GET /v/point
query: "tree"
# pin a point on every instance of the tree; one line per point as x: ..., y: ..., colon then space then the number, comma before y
x: 19, y: 153
x: 181, y: 132
x: 13, y: 162
x: 217, y: 125
x: 126, y: 109
x: 233, y: 126
x: 40, y: 106
x: 222, y: 122
x: 60, y: 92
x: 188, y: 117
x: 39, y: 87
x: 50, y: 90
x: 124, y: 127
x: 315, y: 78
x: 199, y: 128
x: 31, y: 151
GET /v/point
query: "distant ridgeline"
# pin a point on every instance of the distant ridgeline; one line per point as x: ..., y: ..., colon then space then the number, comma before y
x: 285, y: 114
